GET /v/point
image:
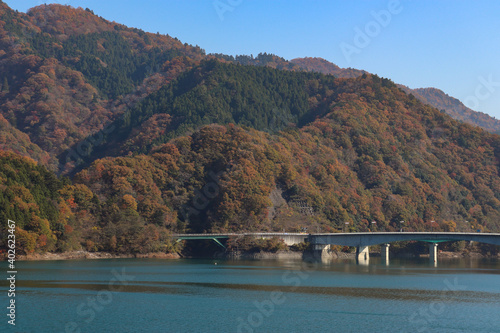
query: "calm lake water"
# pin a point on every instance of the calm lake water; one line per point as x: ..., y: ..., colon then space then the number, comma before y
x: 145, y: 295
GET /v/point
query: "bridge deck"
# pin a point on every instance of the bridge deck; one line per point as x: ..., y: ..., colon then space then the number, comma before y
x: 359, y: 238
x: 227, y: 235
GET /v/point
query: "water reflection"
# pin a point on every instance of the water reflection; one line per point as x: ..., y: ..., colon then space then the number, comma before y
x: 363, y: 261
x: 194, y: 288
x: 351, y: 296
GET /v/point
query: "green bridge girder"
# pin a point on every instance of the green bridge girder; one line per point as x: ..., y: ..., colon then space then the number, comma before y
x: 201, y: 237
x: 357, y: 238
x: 214, y: 238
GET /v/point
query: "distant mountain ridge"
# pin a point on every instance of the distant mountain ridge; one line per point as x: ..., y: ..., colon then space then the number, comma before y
x: 432, y: 96
x: 457, y: 109
x: 324, y: 66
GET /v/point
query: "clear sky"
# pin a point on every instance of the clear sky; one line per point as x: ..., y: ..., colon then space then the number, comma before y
x: 450, y: 45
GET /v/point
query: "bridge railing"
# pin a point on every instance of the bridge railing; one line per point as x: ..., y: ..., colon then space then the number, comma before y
x: 359, y: 238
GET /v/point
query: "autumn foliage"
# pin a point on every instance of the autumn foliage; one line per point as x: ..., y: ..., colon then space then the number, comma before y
x: 216, y: 143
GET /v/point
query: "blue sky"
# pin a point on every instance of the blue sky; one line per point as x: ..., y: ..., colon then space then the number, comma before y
x: 450, y: 45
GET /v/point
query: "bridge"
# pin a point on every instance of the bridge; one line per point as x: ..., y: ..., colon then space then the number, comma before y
x: 321, y: 242
x: 362, y: 240
x: 288, y: 238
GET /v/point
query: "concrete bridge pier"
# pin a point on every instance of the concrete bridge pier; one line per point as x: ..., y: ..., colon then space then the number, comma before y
x: 384, y: 252
x: 433, y: 254
x: 362, y: 253
x: 320, y: 251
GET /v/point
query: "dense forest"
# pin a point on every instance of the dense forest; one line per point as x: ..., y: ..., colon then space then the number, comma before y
x: 432, y: 96
x: 112, y: 139
x: 456, y: 109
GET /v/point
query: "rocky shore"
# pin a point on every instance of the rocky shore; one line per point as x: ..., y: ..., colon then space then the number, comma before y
x: 339, y: 255
x: 279, y: 255
x: 78, y: 255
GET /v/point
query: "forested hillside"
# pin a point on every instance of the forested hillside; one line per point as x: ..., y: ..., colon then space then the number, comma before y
x: 321, y: 65
x: 156, y: 137
x: 66, y: 72
x: 432, y: 96
x: 213, y: 92
x: 457, y: 110
x: 53, y: 214
x: 377, y: 154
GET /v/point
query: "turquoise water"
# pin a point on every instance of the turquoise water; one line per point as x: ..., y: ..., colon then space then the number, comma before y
x: 145, y: 295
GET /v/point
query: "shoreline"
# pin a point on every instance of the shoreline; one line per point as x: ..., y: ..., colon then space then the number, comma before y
x: 80, y: 255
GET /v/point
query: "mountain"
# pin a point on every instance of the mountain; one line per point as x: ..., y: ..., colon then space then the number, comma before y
x: 157, y: 137
x: 66, y: 72
x: 377, y: 154
x: 323, y: 66
x: 457, y: 109
x: 431, y: 96
x: 213, y: 92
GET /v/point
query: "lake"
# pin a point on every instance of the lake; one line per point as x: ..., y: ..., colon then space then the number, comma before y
x: 191, y: 295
